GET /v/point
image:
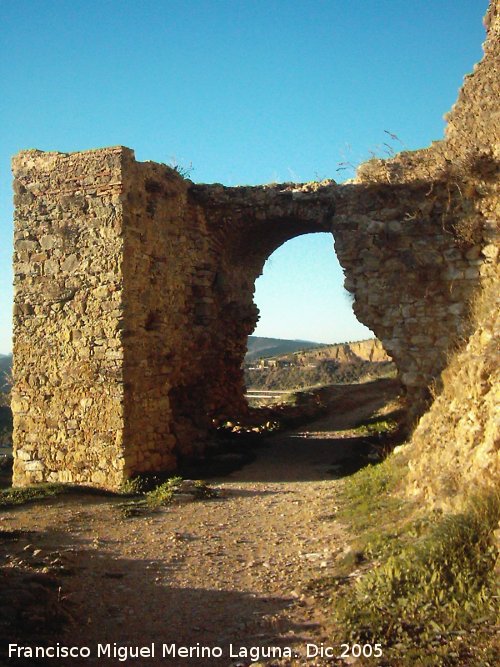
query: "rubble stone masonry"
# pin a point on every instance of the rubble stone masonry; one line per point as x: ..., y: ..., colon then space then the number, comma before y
x: 134, y: 287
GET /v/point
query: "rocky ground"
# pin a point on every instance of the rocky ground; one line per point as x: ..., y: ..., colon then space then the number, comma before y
x: 228, y: 571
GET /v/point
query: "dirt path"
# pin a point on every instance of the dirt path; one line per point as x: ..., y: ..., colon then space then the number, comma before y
x: 229, y: 571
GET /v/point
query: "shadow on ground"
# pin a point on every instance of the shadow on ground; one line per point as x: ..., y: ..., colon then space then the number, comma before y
x: 57, y: 589
x: 330, y: 445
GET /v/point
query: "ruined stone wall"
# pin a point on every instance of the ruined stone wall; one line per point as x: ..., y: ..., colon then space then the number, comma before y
x: 246, y: 224
x: 68, y: 400
x: 412, y: 279
x: 116, y: 351
x: 473, y: 123
x: 458, y: 214
x: 410, y: 272
x: 170, y: 342
x: 134, y: 287
x: 166, y: 273
x: 455, y: 449
x: 154, y: 311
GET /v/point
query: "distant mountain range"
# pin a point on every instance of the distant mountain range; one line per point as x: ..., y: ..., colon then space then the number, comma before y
x: 260, y: 348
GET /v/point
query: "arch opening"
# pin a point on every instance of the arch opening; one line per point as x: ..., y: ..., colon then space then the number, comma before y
x: 307, y: 335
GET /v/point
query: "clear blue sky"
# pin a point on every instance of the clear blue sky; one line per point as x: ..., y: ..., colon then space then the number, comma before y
x: 247, y: 91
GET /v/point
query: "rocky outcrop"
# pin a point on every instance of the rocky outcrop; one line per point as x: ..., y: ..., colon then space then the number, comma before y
x: 365, y: 350
x: 455, y: 448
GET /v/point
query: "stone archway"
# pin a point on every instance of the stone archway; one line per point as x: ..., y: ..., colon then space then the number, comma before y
x: 134, y: 300
x: 410, y: 278
x: 133, y: 286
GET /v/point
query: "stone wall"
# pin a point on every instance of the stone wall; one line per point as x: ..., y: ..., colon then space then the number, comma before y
x: 115, y: 348
x: 411, y: 272
x: 134, y: 287
x: 413, y: 281
x: 455, y: 449
x: 68, y: 401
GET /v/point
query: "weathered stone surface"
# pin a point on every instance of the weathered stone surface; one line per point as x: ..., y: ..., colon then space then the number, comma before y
x: 57, y: 438
x: 455, y: 448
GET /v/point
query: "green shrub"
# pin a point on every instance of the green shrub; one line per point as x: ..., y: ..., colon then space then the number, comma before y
x: 12, y: 497
x: 426, y: 597
x: 164, y: 493
x: 132, y: 487
x: 366, y: 498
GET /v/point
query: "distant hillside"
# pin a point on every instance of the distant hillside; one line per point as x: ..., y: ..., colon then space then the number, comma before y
x: 366, y: 350
x: 5, y: 368
x: 343, y: 363
x: 259, y: 348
